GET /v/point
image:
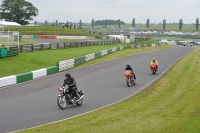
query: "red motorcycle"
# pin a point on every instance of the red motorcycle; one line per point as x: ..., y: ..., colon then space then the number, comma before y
x: 153, y: 68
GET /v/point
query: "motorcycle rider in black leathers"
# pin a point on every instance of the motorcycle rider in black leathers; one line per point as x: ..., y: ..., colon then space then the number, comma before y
x: 70, y: 81
x: 128, y: 67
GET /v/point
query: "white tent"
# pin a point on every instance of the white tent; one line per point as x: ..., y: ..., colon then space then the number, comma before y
x: 4, y: 24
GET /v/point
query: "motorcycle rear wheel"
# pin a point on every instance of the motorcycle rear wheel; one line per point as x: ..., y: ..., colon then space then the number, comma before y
x: 61, y: 101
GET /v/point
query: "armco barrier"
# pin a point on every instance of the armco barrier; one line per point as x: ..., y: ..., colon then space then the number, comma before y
x: 47, y: 37
x: 97, y: 55
x: 35, y: 36
x: 79, y: 60
x: 89, y: 56
x: 64, y: 65
x: 104, y: 52
x: 109, y: 51
x: 114, y: 49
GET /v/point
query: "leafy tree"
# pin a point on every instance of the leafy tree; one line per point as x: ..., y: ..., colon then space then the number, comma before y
x: 109, y: 22
x: 80, y: 23
x: 19, y: 11
x: 197, y: 24
x: 56, y: 22
x: 106, y: 23
x: 133, y: 23
x: 46, y: 22
x: 180, y: 24
x: 147, y: 23
x: 92, y: 23
x: 35, y: 22
x: 119, y: 23
x: 164, y: 24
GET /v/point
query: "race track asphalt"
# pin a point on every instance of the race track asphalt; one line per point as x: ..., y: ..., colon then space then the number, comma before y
x: 34, y: 103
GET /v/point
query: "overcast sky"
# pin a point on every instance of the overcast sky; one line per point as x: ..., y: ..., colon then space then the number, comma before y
x: 126, y: 10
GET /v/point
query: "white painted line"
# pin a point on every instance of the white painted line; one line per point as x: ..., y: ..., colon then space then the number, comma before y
x: 111, y: 103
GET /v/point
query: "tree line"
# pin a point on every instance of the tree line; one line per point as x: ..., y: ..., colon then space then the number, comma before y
x: 22, y: 12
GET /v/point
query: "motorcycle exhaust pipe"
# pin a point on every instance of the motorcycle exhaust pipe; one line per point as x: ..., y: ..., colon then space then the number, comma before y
x: 80, y: 98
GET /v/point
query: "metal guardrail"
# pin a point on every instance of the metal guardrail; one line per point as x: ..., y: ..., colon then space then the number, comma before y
x: 62, y: 45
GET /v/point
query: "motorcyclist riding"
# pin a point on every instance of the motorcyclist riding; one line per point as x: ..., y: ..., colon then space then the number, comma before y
x: 70, y: 81
x: 128, y: 67
x: 154, y: 61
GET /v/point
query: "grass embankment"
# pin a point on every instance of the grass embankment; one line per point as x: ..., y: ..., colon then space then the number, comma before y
x: 41, y: 59
x: 50, y: 30
x: 150, y: 41
x: 23, y: 42
x: 171, y: 105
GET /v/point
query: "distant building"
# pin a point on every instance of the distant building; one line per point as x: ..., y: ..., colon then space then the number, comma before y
x: 5, y: 24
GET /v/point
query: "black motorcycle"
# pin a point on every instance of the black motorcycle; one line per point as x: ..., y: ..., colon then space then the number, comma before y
x: 67, y: 97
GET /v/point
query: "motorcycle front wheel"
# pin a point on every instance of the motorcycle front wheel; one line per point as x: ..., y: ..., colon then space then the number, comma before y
x: 128, y: 83
x: 62, y: 102
x: 79, y: 103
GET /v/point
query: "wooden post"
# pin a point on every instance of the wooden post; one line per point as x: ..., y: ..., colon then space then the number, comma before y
x: 50, y: 46
x: 58, y: 45
x: 64, y: 44
x: 21, y: 48
x: 32, y: 47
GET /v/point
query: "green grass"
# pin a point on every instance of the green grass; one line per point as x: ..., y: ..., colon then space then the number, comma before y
x: 23, y: 42
x: 171, y: 105
x: 40, y: 59
x: 150, y: 41
x: 49, y: 30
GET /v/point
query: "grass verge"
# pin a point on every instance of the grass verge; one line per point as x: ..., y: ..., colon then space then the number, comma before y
x: 171, y: 105
x: 22, y: 42
x: 29, y: 61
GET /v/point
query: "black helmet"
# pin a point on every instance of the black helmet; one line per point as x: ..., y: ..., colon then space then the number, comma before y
x: 127, y: 66
x: 67, y: 75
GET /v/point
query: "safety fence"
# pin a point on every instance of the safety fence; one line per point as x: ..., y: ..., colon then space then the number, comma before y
x: 62, y: 45
x: 143, y: 45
